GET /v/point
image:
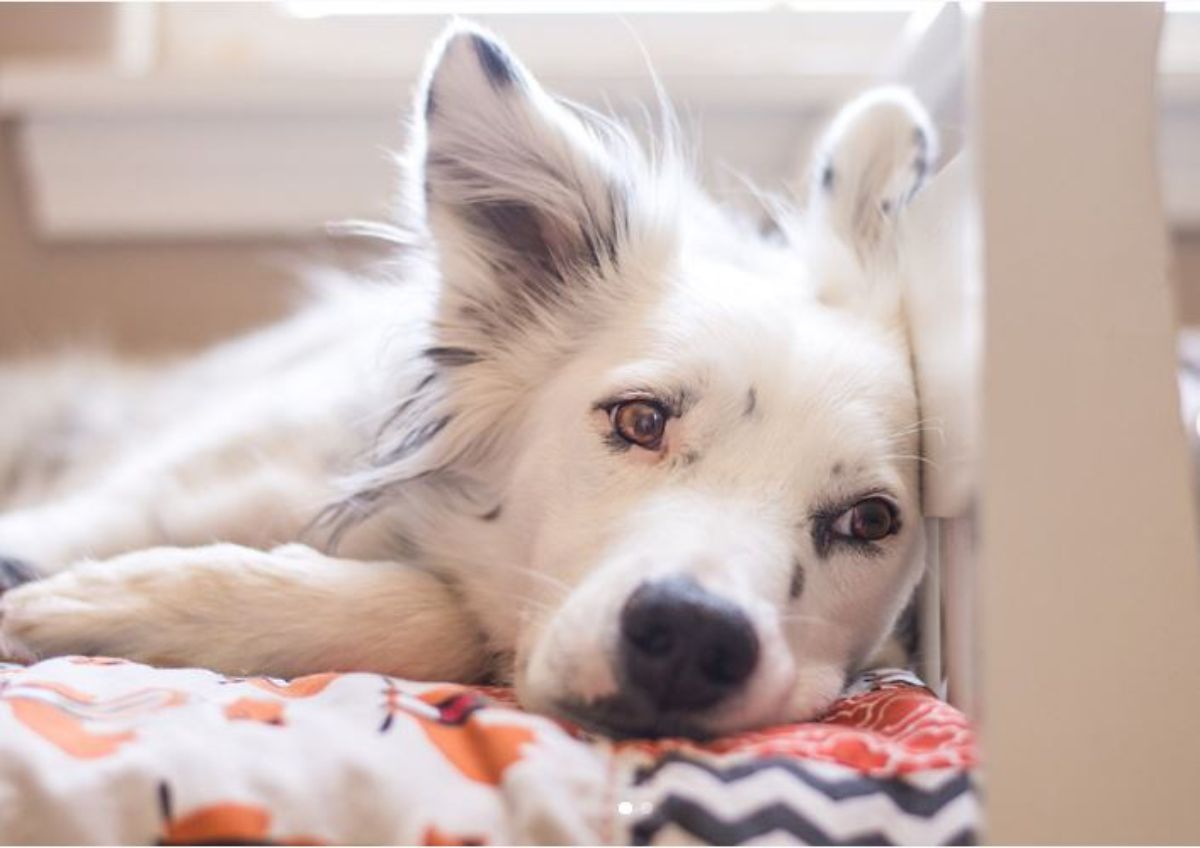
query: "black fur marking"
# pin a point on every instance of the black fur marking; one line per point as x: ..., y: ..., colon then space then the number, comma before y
x: 14, y: 572
x: 493, y: 513
x: 827, y: 178
x: 452, y: 357
x: 920, y: 139
x: 908, y: 630
x: 796, y: 586
x: 690, y: 458
x: 837, y: 470
x: 751, y: 402
x: 484, y: 318
x: 403, y: 409
x: 417, y: 439
x: 495, y: 62
x: 519, y: 228
x: 430, y: 104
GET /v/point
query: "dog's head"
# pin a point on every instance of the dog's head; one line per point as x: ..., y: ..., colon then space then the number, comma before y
x: 699, y: 443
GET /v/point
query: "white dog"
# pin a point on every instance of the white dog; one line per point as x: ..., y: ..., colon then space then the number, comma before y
x: 598, y: 439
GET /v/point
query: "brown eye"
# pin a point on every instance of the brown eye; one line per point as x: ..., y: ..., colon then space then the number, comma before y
x: 639, y: 422
x: 869, y: 520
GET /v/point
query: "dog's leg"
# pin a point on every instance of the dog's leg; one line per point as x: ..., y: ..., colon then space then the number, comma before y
x: 264, y: 507
x: 286, y: 612
x: 869, y: 163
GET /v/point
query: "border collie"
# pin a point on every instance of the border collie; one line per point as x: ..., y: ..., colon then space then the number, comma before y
x: 595, y: 437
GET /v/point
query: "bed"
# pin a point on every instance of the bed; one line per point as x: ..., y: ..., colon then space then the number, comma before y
x: 97, y: 750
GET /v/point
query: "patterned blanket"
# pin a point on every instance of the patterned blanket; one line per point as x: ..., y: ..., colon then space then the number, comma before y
x: 97, y: 750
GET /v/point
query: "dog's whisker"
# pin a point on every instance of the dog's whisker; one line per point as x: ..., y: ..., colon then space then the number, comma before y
x: 910, y: 456
x: 520, y: 599
x: 922, y: 426
x: 790, y: 618
x: 560, y: 586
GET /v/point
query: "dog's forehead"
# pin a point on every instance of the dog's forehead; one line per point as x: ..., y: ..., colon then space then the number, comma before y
x: 726, y: 330
x: 764, y: 363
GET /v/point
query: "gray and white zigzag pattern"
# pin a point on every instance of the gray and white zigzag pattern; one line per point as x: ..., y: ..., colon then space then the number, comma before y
x: 781, y: 800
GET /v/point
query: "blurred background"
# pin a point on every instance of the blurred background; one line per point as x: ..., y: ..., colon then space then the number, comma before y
x: 166, y: 170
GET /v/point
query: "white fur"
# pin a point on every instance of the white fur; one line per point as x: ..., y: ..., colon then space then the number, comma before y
x: 476, y: 522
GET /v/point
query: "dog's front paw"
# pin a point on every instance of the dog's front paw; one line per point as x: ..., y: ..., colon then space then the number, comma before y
x: 14, y: 620
x: 14, y: 573
x: 51, y: 617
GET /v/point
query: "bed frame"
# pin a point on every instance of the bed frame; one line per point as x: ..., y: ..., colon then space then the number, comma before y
x: 1067, y: 592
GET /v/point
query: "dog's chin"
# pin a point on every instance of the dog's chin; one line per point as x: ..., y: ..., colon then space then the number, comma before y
x: 628, y: 718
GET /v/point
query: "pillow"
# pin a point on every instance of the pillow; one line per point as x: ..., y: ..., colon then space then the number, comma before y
x: 96, y: 750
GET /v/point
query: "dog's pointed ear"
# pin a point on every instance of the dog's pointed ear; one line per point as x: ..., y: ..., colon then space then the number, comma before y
x: 525, y: 202
x: 867, y: 166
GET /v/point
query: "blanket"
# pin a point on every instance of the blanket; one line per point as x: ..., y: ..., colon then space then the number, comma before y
x: 96, y: 750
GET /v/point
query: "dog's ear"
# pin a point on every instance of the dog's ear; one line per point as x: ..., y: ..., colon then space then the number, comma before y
x: 869, y: 163
x: 527, y: 202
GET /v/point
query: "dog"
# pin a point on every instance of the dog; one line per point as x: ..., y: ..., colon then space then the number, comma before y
x: 593, y: 436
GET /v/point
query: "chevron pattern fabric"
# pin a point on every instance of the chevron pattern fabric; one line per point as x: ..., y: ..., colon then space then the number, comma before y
x: 782, y: 800
x: 889, y: 765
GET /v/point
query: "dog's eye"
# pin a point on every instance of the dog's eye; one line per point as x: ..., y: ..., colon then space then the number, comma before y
x: 639, y: 422
x: 869, y: 520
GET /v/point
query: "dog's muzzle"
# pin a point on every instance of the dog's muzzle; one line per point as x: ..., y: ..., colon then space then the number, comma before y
x: 681, y: 650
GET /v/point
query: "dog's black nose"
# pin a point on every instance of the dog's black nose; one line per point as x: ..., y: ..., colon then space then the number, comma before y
x: 683, y: 647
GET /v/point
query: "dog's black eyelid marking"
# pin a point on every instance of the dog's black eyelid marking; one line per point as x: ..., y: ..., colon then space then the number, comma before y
x: 615, y: 443
x: 495, y: 63
x: 822, y: 519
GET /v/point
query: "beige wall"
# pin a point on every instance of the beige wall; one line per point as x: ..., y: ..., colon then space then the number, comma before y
x: 81, y: 30
x: 138, y: 297
x: 158, y: 296
x: 153, y: 296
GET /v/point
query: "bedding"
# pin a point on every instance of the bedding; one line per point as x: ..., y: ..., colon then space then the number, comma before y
x: 96, y: 750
